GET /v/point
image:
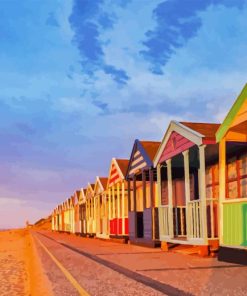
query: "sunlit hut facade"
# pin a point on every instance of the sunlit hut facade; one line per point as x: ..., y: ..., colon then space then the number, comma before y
x: 187, y: 170
x: 101, y: 208
x: 90, y: 211
x: 58, y: 221
x: 77, y: 226
x: 232, y: 138
x: 61, y: 217
x: 54, y: 219
x: 82, y: 212
x: 142, y: 192
x: 72, y: 213
x: 67, y: 225
x: 118, y: 199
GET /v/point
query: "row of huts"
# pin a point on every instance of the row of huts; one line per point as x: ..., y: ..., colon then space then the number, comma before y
x: 188, y: 189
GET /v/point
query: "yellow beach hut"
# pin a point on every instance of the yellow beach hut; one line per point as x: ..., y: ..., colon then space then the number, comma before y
x: 232, y: 139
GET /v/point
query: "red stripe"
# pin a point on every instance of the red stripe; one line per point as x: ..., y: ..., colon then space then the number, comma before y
x: 113, y: 171
x: 114, y: 179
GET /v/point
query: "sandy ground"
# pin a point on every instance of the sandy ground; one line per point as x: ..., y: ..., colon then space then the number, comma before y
x: 20, y: 268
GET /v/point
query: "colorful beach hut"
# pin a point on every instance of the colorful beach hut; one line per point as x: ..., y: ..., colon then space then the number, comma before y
x: 82, y: 212
x: 67, y: 225
x: 61, y: 217
x: 54, y: 219
x: 101, y: 208
x: 72, y: 213
x: 77, y: 226
x: 142, y: 192
x: 187, y: 170
x: 90, y: 210
x: 118, y: 199
x: 232, y: 138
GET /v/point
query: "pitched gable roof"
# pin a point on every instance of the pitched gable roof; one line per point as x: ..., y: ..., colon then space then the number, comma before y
x: 118, y: 169
x: 123, y: 165
x: 151, y: 148
x: 207, y: 130
x: 188, y: 133
x: 142, y: 156
x: 239, y: 108
x: 103, y: 181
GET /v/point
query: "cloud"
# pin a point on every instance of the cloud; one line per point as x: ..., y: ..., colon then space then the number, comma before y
x: 176, y: 23
x: 87, y: 20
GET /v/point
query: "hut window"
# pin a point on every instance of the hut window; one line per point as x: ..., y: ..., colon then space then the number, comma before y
x: 212, y: 181
x: 236, y: 181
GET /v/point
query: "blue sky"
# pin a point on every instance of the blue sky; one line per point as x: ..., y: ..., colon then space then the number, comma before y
x: 80, y: 80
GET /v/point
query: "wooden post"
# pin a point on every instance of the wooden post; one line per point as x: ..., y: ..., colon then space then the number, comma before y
x: 134, y: 199
x: 129, y: 193
x: 134, y: 192
x: 118, y: 206
x: 202, y: 191
x: 170, y: 194
x: 123, y: 207
x: 159, y: 184
x: 109, y: 203
x: 151, y: 180
x: 118, y: 200
x: 161, y: 224
x: 187, y: 189
x: 222, y: 184
x: 113, y: 201
x: 152, y: 202
x: 144, y: 189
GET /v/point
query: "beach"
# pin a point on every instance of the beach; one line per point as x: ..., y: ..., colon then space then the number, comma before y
x: 21, y: 271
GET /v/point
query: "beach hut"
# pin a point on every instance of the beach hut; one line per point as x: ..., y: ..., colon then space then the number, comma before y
x: 67, y: 224
x: 232, y: 139
x: 72, y: 214
x: 54, y: 219
x: 118, y: 199
x: 61, y: 226
x: 58, y: 218
x: 101, y: 208
x: 90, y: 210
x: 82, y: 212
x: 77, y: 223
x: 187, y: 172
x: 142, y: 192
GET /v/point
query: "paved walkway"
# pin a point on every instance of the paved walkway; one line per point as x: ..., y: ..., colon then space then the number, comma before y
x: 192, y: 274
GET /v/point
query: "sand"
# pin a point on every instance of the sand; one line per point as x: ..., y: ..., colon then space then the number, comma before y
x: 21, y: 272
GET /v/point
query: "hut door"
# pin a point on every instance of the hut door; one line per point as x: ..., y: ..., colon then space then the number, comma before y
x: 179, y: 208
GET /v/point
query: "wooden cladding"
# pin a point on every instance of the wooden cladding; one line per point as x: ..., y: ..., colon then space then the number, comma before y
x: 212, y: 181
x: 236, y: 177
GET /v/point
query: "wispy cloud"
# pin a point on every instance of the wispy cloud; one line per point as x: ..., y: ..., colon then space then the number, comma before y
x: 87, y: 19
x: 175, y: 25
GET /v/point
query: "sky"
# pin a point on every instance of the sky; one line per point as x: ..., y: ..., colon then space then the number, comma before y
x: 80, y: 80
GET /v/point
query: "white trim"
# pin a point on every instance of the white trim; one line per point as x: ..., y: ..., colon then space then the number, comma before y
x: 170, y: 197
x: 187, y: 187
x: 198, y: 242
x: 235, y: 200
x: 181, y: 129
